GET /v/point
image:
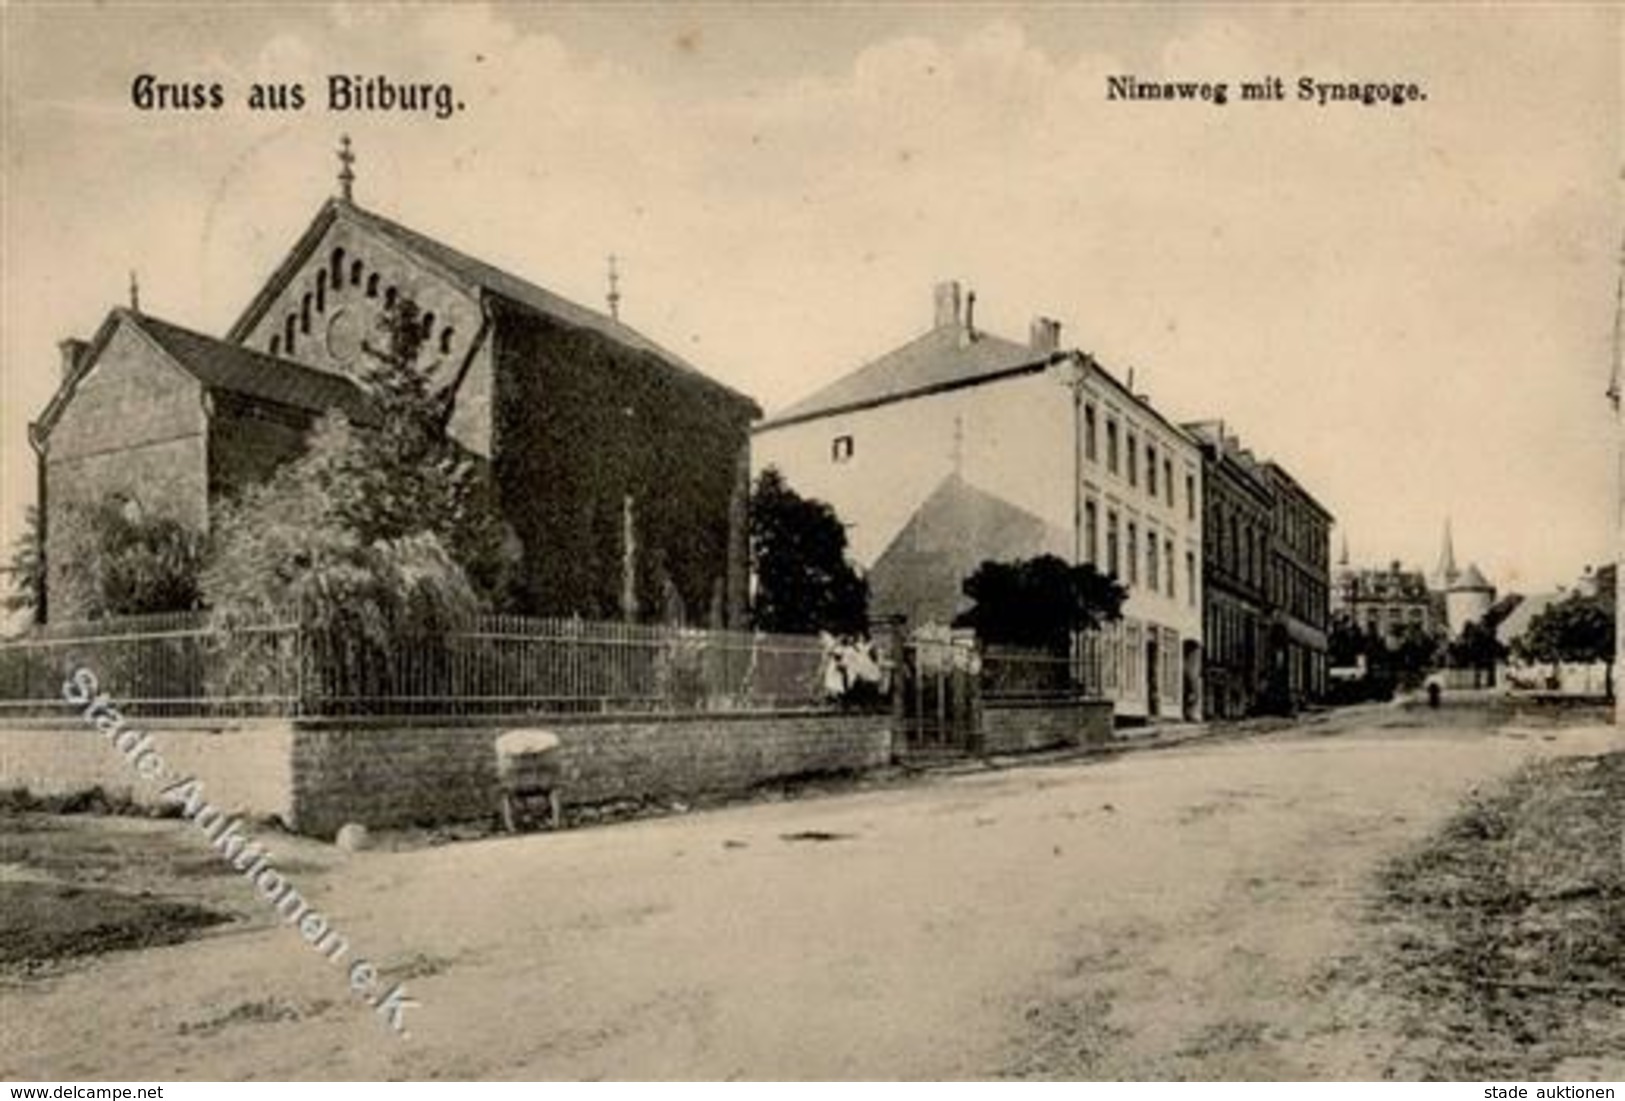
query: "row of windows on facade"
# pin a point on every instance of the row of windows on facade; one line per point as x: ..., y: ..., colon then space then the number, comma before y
x: 1159, y: 569
x: 1383, y: 587
x: 1300, y: 593
x: 841, y: 451
x: 1302, y: 533
x: 334, y: 276
x: 1114, y: 658
x: 1232, y: 636
x: 1127, y: 461
x: 1238, y: 545
x: 1387, y: 618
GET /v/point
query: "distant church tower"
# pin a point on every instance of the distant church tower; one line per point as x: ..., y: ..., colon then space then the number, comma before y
x: 1467, y: 595
x: 1445, y: 575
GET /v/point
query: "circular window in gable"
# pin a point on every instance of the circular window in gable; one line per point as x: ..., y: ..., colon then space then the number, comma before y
x: 344, y: 336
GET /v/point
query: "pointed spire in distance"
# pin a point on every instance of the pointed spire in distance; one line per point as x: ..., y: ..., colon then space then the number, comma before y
x: 1447, y: 558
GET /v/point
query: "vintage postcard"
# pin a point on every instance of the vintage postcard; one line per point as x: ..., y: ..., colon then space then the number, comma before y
x: 655, y: 542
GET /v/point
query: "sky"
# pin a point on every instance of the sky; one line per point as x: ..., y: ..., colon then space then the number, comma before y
x: 1411, y: 308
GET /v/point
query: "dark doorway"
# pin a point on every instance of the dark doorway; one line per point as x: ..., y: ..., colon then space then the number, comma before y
x: 1152, y: 703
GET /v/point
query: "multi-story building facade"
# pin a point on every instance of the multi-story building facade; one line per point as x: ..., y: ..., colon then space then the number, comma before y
x: 1235, y: 563
x: 1298, y: 586
x: 1382, y: 601
x: 962, y: 446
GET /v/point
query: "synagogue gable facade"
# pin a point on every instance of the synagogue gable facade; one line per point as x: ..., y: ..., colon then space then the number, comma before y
x: 323, y: 308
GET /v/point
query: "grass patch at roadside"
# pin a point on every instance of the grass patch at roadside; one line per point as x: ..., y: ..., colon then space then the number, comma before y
x: 1504, y: 933
x: 41, y: 922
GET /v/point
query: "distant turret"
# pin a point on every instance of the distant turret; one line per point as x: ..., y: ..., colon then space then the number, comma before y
x: 1467, y: 599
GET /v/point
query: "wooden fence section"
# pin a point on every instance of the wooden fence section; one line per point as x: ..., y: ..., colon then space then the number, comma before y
x: 182, y: 665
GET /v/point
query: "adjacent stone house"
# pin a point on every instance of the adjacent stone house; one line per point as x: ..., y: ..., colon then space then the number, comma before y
x: 962, y: 445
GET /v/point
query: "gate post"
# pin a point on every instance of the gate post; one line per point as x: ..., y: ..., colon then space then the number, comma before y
x: 897, y: 654
x: 977, y: 730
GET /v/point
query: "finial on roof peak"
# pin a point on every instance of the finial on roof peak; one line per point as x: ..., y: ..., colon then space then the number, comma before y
x: 614, y: 296
x: 135, y: 292
x: 346, y: 169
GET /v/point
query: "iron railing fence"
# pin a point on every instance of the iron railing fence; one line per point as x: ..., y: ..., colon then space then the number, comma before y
x: 183, y: 665
x: 1010, y: 675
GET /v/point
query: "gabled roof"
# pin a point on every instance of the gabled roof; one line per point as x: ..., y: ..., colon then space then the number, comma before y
x: 242, y: 370
x: 1518, y: 620
x: 942, y: 359
x: 476, y: 275
x: 1279, y: 472
x: 220, y: 366
x: 921, y: 573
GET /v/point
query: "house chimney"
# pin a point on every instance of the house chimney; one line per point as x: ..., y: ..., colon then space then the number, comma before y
x: 73, y: 350
x: 947, y: 303
x: 1045, y: 334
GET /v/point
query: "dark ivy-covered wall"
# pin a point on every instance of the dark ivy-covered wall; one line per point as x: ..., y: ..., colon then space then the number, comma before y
x: 249, y: 440
x: 581, y: 423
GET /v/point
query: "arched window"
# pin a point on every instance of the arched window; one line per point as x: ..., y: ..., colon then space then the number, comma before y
x: 389, y: 299
x: 276, y: 345
x: 287, y: 333
x: 355, y: 274
x: 445, y: 340
x: 372, y: 285
x: 338, y: 268
x: 428, y: 325
x: 321, y: 292
x: 304, y: 315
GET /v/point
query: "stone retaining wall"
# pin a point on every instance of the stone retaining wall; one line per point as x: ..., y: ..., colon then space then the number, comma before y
x: 316, y: 776
x: 1022, y: 728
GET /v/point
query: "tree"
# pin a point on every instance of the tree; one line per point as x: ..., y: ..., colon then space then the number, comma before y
x: 1347, y: 644
x: 1476, y: 647
x: 804, y: 583
x: 406, y: 475
x: 1039, y: 602
x: 117, y: 560
x: 375, y: 527
x: 1413, y: 651
x: 1578, y: 628
x: 287, y: 547
x: 27, y: 566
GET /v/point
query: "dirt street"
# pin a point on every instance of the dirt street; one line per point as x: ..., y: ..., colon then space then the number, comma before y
x: 1164, y: 914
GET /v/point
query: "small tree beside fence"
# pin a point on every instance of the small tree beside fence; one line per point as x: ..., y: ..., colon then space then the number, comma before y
x: 1035, y: 617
